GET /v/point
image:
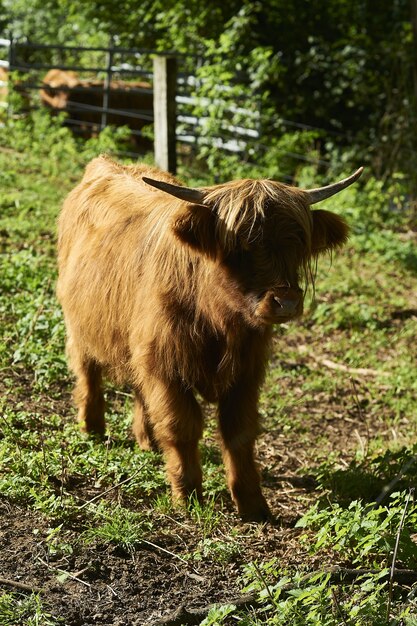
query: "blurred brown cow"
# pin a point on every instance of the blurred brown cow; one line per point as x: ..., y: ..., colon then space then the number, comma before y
x: 4, y: 78
x: 176, y: 290
x: 83, y: 101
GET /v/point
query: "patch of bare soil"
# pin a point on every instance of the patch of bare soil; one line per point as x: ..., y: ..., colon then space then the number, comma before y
x: 105, y: 585
x: 101, y: 584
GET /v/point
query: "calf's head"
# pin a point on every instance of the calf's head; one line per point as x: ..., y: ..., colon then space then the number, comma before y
x: 265, y: 236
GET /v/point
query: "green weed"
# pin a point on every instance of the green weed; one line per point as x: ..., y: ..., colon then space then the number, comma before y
x: 361, y: 534
x: 217, y: 615
x: 220, y: 549
x: 118, y: 526
x: 17, y: 609
x: 314, y: 600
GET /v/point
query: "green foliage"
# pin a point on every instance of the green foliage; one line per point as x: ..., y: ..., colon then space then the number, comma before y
x: 229, y: 72
x: 36, y: 332
x: 17, y: 609
x: 118, y: 526
x: 314, y: 601
x: 172, y: 24
x: 217, y: 615
x: 52, y: 21
x: 44, y: 140
x: 363, y: 534
x: 206, y: 515
x: 36, y: 470
x: 210, y: 522
x: 345, y: 68
x: 217, y: 549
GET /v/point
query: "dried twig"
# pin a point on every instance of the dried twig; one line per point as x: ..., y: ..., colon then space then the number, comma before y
x: 341, y: 367
x: 338, y: 607
x: 19, y: 585
x: 394, y: 556
x: 154, y: 545
x: 62, y: 571
x: 355, y: 371
x: 261, y: 576
x: 362, y: 418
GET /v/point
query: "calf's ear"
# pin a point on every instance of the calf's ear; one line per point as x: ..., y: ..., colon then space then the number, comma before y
x: 329, y: 231
x: 195, y: 226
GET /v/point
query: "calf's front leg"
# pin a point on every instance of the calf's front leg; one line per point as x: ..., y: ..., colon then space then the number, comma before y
x: 176, y: 422
x: 142, y: 429
x: 88, y: 394
x: 239, y: 424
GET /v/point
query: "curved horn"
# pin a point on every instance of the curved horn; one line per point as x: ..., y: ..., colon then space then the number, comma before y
x: 184, y: 193
x: 321, y: 193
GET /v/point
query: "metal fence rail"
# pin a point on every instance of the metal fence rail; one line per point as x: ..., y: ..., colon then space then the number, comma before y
x: 118, y: 67
x: 190, y: 127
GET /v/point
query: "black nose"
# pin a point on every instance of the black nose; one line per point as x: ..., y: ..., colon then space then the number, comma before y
x: 289, y: 301
x: 288, y: 305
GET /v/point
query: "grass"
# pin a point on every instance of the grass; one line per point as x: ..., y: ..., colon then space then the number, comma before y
x: 19, y: 609
x: 353, y: 433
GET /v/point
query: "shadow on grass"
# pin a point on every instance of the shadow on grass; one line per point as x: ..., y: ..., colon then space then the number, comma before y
x: 410, y: 261
x: 372, y: 480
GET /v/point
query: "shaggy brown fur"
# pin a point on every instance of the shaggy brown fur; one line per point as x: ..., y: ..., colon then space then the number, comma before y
x: 175, y: 298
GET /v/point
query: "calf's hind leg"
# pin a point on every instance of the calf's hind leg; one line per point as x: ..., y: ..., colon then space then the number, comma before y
x: 88, y: 393
x: 142, y: 428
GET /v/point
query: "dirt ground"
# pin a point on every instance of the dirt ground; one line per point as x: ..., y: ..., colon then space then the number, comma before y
x: 114, y: 587
x: 110, y: 586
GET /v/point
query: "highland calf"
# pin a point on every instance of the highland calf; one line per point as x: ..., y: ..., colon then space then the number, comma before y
x: 175, y: 290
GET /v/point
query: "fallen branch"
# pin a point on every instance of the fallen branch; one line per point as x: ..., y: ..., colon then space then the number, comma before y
x: 156, y: 547
x: 68, y: 574
x: 19, y: 585
x: 341, y: 367
x: 394, y: 556
x: 356, y: 371
x: 184, y: 616
x: 106, y: 491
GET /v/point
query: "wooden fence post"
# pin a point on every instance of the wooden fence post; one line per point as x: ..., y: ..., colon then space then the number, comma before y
x: 10, y: 58
x: 164, y: 91
x: 107, y: 88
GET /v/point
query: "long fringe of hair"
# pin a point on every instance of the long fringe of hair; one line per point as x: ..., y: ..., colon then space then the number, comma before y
x: 242, y: 206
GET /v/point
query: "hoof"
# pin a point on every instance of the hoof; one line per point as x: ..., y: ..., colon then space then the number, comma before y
x: 261, y: 516
x: 259, y: 513
x: 92, y: 430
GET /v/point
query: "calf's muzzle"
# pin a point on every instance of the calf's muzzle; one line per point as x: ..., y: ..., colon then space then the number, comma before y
x: 280, y: 305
